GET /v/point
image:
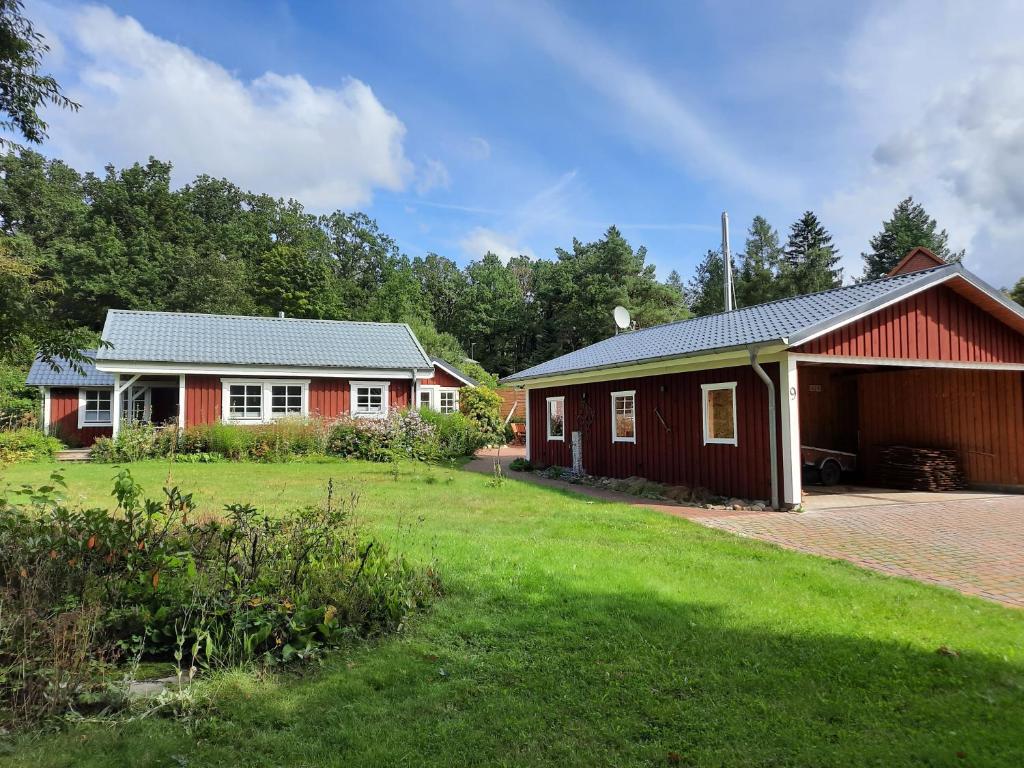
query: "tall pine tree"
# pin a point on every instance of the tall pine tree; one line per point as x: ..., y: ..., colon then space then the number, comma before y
x: 909, y: 227
x: 705, y: 292
x: 757, y: 278
x: 811, y: 260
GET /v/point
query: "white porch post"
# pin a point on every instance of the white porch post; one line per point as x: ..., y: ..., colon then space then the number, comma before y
x: 527, y: 423
x: 115, y: 406
x: 46, y: 410
x: 789, y: 394
x: 181, y: 401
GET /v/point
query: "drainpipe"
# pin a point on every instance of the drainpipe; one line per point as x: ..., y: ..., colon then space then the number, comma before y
x: 772, y: 448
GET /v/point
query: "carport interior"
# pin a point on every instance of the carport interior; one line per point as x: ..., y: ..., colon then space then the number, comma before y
x: 979, y: 413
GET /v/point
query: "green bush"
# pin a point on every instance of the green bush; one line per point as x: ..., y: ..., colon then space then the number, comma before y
x: 455, y: 434
x: 19, y: 403
x: 402, y: 435
x: 27, y: 444
x: 520, y: 465
x: 483, y: 407
x: 84, y: 588
x: 135, y: 441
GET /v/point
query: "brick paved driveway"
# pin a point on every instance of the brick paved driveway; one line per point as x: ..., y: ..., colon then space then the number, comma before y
x: 975, y: 545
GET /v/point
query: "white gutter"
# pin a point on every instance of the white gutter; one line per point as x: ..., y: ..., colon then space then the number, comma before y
x: 772, y: 449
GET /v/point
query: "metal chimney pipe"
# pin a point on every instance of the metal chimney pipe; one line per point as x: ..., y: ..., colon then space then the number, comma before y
x: 727, y: 261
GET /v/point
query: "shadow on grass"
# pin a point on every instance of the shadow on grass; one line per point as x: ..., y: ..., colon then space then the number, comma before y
x: 571, y: 678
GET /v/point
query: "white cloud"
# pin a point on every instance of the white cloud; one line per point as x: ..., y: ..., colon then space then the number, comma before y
x: 940, y: 114
x: 479, y: 148
x: 142, y: 95
x: 481, y: 240
x: 432, y: 175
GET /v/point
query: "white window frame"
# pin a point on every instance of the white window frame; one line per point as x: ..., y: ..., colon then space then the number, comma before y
x: 128, y: 399
x: 547, y: 418
x: 705, y: 389
x: 82, y: 423
x: 354, y: 387
x: 303, y: 399
x: 431, y: 392
x: 266, y: 389
x: 455, y: 398
x: 631, y: 393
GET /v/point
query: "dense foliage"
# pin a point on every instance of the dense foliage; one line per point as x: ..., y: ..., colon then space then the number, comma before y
x: 26, y: 444
x: 415, y: 435
x: 85, y: 588
x: 909, y: 227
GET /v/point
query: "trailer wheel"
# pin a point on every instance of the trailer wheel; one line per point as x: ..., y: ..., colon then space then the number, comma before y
x: 831, y: 472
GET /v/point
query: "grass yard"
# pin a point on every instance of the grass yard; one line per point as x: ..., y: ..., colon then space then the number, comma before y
x: 583, y: 633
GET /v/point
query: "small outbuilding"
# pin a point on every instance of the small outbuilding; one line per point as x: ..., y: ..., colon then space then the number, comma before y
x: 928, y: 357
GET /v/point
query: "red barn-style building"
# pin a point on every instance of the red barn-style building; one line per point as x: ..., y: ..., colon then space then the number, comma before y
x: 930, y: 356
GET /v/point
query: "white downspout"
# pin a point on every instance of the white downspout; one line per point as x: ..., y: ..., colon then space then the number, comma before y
x: 772, y: 448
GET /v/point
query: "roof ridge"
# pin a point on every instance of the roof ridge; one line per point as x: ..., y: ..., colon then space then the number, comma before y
x: 251, y: 317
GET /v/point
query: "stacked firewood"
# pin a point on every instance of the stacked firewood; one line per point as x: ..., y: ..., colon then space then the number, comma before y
x: 921, y: 469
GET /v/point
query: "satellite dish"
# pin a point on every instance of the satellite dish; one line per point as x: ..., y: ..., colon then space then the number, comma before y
x: 621, y: 317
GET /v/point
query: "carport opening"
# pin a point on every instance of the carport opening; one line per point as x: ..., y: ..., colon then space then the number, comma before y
x: 856, y: 412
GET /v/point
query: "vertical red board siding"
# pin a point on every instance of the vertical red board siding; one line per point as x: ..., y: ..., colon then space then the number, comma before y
x: 64, y: 419
x: 399, y: 395
x: 980, y: 414
x: 202, y: 400
x: 442, y: 378
x: 329, y: 398
x: 669, y: 449
x: 937, y: 324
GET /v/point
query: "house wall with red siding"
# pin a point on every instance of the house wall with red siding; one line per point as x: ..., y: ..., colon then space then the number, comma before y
x: 64, y: 419
x: 669, y: 446
x: 978, y: 413
x: 328, y: 398
x: 442, y: 378
x: 937, y: 324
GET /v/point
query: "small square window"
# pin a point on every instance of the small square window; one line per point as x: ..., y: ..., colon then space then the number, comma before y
x: 424, y: 398
x: 245, y: 401
x: 449, y: 401
x: 556, y: 418
x: 368, y: 400
x: 624, y: 417
x: 97, y: 406
x: 285, y: 398
x: 719, y: 406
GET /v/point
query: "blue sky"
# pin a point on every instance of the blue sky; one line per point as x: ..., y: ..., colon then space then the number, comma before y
x: 467, y: 126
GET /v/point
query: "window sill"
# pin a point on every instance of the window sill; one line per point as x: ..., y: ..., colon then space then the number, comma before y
x: 732, y: 442
x: 630, y: 440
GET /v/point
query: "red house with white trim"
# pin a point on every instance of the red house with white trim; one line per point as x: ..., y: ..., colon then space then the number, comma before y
x: 930, y: 356
x: 199, y: 369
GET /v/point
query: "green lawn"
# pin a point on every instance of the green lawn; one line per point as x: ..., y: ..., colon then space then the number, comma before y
x: 575, y: 632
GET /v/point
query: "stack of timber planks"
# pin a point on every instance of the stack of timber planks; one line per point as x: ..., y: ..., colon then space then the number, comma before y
x: 921, y: 469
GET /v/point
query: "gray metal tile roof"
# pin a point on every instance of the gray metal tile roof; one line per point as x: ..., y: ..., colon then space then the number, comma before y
x: 458, y: 372
x: 785, y: 321
x: 44, y: 375
x: 238, y: 340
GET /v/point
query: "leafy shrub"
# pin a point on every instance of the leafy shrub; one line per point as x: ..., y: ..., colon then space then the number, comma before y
x: 455, y: 434
x: 135, y: 441
x: 405, y: 434
x: 19, y: 402
x: 520, y: 464
x: 82, y: 588
x: 483, y: 407
x: 26, y: 444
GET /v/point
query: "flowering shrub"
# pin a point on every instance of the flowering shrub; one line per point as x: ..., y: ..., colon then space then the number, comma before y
x: 404, y: 434
x: 81, y: 588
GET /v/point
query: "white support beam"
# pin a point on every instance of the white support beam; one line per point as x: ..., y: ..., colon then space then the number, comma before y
x: 527, y: 424
x: 115, y: 406
x: 46, y: 410
x: 789, y: 394
x: 181, y: 401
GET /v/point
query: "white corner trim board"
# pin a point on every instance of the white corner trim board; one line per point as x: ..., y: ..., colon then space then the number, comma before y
x: 705, y: 389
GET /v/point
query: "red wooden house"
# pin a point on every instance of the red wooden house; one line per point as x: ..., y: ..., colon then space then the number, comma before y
x: 929, y: 356
x: 199, y: 369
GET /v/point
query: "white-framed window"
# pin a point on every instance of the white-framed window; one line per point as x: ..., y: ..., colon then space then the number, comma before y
x: 719, y: 408
x: 95, y: 408
x: 259, y: 400
x: 556, y: 418
x: 369, y: 399
x: 285, y: 399
x: 425, y: 399
x: 448, y: 401
x: 624, y: 416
